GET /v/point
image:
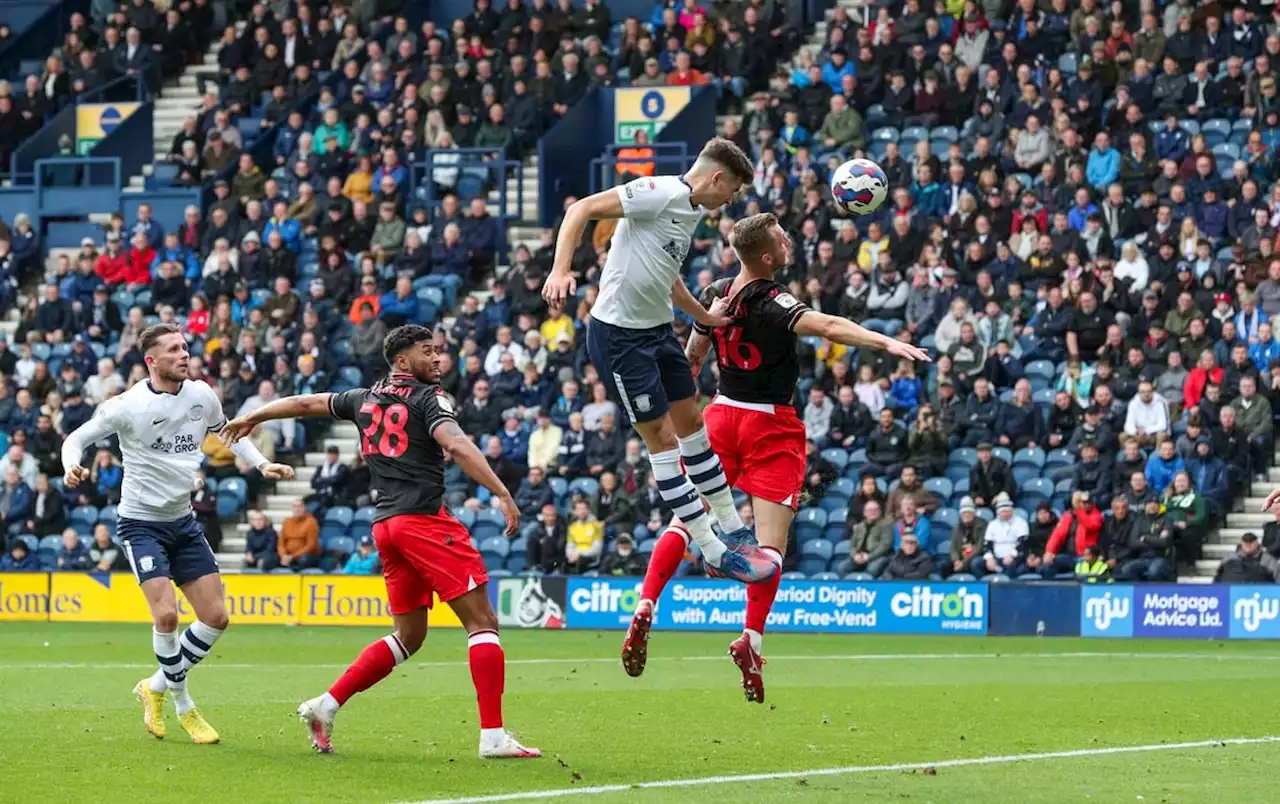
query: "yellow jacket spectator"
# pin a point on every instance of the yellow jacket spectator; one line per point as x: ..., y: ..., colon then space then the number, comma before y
x: 1091, y: 568
x: 585, y: 539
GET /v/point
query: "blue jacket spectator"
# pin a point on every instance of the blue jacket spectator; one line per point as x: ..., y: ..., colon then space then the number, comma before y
x: 1262, y: 353
x: 833, y: 75
x: 290, y: 231
x: 80, y: 288
x: 531, y: 497
x: 449, y: 259
x: 929, y: 199
x: 1172, y: 143
x: 72, y: 555
x: 1160, y: 470
x: 1209, y: 476
x: 1103, y: 167
x: 399, y: 306
x: 480, y: 233
x: 25, y: 245
x: 19, y: 559
x: 1020, y: 424
x: 1079, y: 216
x: 260, y: 544
x: 515, y: 444
x: 149, y: 229
x: 921, y: 530
x: 16, y: 498
x: 364, y: 561
x: 185, y: 257
x: 561, y: 410
x: 1211, y: 217
x: 286, y: 141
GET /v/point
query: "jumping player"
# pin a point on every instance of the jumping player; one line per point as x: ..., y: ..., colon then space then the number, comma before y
x: 632, y: 344
x: 752, y: 422
x: 407, y: 427
x: 161, y: 424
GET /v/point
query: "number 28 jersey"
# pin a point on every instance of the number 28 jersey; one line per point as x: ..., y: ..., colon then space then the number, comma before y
x: 396, y: 418
x: 757, y: 351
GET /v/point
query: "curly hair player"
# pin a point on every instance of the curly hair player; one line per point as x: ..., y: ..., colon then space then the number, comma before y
x: 161, y: 424
x: 752, y: 423
x: 407, y: 427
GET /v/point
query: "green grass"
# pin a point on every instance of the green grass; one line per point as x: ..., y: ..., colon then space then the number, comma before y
x: 70, y: 730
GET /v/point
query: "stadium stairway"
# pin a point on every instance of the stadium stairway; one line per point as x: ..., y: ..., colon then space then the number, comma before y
x: 180, y: 100
x: 1246, y: 518
x: 858, y: 10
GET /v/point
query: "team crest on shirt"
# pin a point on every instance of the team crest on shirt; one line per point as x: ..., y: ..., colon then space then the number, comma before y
x: 196, y: 413
x: 147, y: 563
x: 443, y: 401
x: 786, y: 301
x: 644, y: 403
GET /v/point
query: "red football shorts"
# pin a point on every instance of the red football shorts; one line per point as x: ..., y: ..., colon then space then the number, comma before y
x: 762, y: 453
x: 425, y: 554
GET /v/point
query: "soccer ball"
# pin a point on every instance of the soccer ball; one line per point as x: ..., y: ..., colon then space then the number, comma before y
x: 859, y: 186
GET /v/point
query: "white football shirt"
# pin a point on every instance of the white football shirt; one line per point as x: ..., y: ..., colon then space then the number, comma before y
x: 647, y: 252
x: 160, y: 438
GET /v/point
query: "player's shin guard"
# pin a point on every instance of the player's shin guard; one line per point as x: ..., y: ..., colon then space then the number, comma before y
x: 759, y: 601
x: 372, y: 665
x: 679, y: 492
x: 196, y: 642
x: 489, y: 675
x: 707, y: 474
x: 664, y: 562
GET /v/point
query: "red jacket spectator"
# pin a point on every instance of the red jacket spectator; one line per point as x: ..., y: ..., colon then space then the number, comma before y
x: 688, y: 78
x: 112, y: 267
x: 1084, y: 522
x: 1038, y: 213
x: 139, y: 268
x: 1193, y: 388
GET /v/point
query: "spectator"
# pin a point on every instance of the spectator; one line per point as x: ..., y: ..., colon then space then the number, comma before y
x: 72, y: 556
x: 968, y: 539
x: 299, y: 542
x: 817, y: 416
x: 1077, y: 530
x: 544, y: 442
x: 534, y: 493
x: 329, y: 483
x: 364, y: 561
x: 887, y: 447
x: 989, y: 476
x: 1003, y: 537
x: 909, y: 562
x: 1163, y: 464
x: 1148, y: 416
x: 1093, y: 475
x: 585, y: 539
x: 546, y: 546
x: 104, y: 554
x: 15, y: 500
x: 1253, y: 416
x: 1091, y: 568
x: 19, y: 557
x: 870, y: 541
x: 1142, y: 543
x: 1185, y: 511
x: 624, y: 560
x: 910, y: 487
x: 48, y: 514
x: 612, y: 506
x: 1245, y: 566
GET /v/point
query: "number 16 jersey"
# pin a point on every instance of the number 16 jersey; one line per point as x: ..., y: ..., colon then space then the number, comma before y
x: 396, y: 418
x: 757, y: 351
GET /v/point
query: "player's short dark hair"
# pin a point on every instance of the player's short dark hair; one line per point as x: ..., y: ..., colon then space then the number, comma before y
x: 729, y: 156
x: 152, y: 335
x: 403, y: 338
x: 750, y: 235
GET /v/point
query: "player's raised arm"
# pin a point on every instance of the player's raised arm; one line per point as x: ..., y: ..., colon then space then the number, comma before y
x: 604, y: 205
x: 843, y: 331
x: 294, y: 407
x: 103, y: 425
x: 459, y: 446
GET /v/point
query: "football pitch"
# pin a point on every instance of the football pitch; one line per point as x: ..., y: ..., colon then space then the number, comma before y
x: 914, y: 719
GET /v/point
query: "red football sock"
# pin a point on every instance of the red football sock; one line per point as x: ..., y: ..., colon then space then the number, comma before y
x: 664, y: 561
x: 488, y: 674
x: 760, y: 598
x: 372, y: 665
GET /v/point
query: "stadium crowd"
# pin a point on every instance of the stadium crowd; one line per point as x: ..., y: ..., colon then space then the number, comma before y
x: 1081, y: 227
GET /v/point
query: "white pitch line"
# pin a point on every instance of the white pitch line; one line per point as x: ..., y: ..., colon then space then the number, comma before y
x: 850, y: 657
x: 847, y: 771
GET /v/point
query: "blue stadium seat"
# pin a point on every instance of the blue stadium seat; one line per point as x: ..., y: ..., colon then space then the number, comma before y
x: 32, y: 543
x: 809, y: 524
x: 1190, y: 126
x: 520, y: 544
x: 910, y: 136
x: 941, y: 487
x: 488, y: 523
x: 234, y: 486
x: 837, y: 457
x: 859, y: 576
x: 586, y: 486
x: 794, y: 576
x: 559, y: 488
x: 886, y: 134
x: 331, y: 531
x: 340, y: 546
x: 1034, y: 491
x: 841, y: 550
x: 281, y: 571
x: 825, y: 576
x: 359, y: 530
x: 946, y: 517
x: 496, y: 545
x: 947, y: 134
x: 1003, y: 453
x: 339, y: 515
x: 986, y: 513
x: 349, y: 377
x: 1039, y: 368
x: 1033, y: 456
x: 996, y: 577
x: 228, y: 506
x: 363, y: 514
x: 959, y: 488
x: 1058, y: 458
x: 515, y: 563
x: 1216, y: 131
x: 956, y: 472
x: 964, y: 455
x: 836, y: 520
x: 107, y: 514
x: 843, y: 489
x: 465, y: 516
x: 962, y: 577
x: 83, y: 515
x: 858, y: 456
x: 314, y: 570
x: 1069, y: 64
x: 815, y: 554
x: 1024, y: 472
x: 1226, y: 150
